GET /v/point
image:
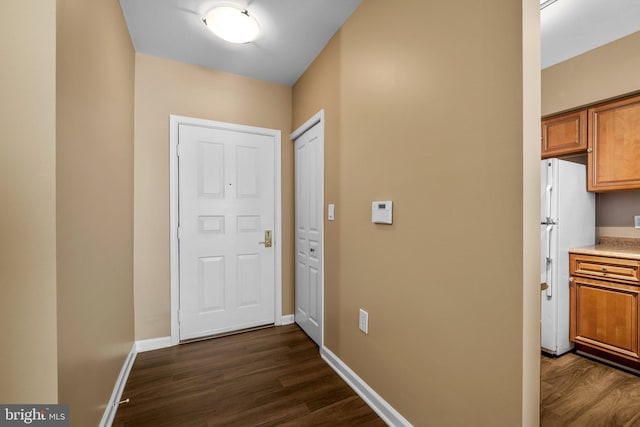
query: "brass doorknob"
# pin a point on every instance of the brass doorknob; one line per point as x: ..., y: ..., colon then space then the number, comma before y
x: 267, y: 239
x: 543, y: 286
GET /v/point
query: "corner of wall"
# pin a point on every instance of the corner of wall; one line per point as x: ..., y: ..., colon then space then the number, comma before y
x: 28, y: 373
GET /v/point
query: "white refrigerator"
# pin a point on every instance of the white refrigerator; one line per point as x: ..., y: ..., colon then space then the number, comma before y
x: 567, y: 213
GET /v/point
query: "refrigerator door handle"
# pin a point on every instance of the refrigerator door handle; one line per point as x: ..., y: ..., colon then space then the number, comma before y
x: 549, y: 262
x: 549, y: 189
x: 548, y: 203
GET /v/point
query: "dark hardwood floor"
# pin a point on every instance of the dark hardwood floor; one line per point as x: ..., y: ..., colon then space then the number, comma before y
x: 579, y: 392
x: 273, y: 376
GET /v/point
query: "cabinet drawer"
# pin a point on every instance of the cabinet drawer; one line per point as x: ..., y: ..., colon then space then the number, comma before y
x: 625, y: 270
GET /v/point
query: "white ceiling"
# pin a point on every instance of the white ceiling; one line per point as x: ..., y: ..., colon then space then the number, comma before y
x: 572, y: 27
x: 295, y: 31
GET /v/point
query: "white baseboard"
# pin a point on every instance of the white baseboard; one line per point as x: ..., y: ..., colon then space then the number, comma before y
x: 288, y: 319
x: 153, y: 344
x: 112, y: 405
x: 388, y: 414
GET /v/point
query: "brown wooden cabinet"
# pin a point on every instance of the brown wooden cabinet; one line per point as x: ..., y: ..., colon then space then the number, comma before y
x: 564, y: 134
x: 604, y: 305
x: 614, y: 145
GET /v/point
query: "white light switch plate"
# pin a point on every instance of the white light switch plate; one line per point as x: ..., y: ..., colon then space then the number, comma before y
x: 331, y: 212
x: 364, y: 321
x: 636, y: 221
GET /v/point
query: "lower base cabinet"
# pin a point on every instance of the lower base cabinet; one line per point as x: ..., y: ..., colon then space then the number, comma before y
x: 604, y: 311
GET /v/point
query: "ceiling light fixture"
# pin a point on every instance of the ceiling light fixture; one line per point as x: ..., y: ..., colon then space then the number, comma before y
x: 232, y: 24
x: 545, y: 3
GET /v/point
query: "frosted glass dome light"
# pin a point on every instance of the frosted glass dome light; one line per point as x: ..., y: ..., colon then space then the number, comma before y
x: 232, y: 24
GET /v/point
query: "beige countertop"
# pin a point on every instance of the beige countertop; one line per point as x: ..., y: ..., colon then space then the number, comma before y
x: 612, y: 247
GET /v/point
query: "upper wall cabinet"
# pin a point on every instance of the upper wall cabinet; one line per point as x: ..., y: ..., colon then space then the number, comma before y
x: 614, y: 145
x: 564, y: 134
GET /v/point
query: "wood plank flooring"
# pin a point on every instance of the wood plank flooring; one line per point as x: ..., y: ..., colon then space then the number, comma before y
x: 579, y: 392
x: 273, y: 376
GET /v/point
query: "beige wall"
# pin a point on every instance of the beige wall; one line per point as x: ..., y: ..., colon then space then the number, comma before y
x: 164, y: 87
x: 626, y: 204
x: 602, y: 73
x: 28, y: 372
x: 95, y: 77
x: 615, y: 211
x: 606, y: 72
x: 424, y: 106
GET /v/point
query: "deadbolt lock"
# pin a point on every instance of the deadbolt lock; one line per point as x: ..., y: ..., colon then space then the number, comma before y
x: 267, y: 239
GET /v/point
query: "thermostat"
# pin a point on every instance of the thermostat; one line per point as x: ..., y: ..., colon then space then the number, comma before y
x: 382, y: 212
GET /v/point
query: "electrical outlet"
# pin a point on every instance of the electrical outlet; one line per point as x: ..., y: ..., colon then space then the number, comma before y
x: 636, y: 221
x: 364, y: 321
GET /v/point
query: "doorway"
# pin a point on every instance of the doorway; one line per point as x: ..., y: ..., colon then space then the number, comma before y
x: 309, y: 227
x: 225, y: 228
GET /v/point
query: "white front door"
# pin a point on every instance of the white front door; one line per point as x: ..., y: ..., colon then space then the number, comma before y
x: 309, y: 160
x: 226, y: 205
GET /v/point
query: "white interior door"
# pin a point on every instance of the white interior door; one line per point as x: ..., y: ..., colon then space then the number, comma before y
x: 226, y: 204
x: 309, y: 175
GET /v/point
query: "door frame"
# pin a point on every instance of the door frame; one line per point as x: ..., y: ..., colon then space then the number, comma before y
x: 174, y: 123
x: 316, y: 119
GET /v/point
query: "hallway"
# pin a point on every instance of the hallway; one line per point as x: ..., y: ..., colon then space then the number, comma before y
x: 272, y: 376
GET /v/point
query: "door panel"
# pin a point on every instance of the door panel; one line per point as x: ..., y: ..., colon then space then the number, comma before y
x: 309, y: 152
x: 314, y: 288
x: 607, y: 316
x: 564, y: 134
x: 248, y: 280
x: 614, y: 139
x: 248, y: 223
x: 248, y: 171
x: 211, y: 169
x: 226, y: 202
x: 211, y: 283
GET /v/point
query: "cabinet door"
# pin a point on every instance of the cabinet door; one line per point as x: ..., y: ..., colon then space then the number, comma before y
x: 614, y: 140
x: 564, y: 134
x: 605, y: 316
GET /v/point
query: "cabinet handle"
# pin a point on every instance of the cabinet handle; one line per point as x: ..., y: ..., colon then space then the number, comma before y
x: 604, y: 269
x: 589, y: 150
